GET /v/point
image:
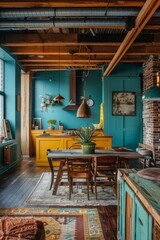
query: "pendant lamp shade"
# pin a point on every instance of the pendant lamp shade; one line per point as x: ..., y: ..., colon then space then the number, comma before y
x: 84, y: 110
x: 153, y: 93
x: 59, y: 98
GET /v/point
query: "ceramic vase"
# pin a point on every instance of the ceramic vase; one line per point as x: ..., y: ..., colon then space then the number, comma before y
x: 88, y: 148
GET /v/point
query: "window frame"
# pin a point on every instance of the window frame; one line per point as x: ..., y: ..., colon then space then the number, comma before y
x: 2, y: 93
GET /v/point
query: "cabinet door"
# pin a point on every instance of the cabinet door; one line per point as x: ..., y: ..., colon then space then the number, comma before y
x: 103, y: 142
x: 68, y: 142
x: 143, y: 228
x: 41, y: 147
x: 129, y: 209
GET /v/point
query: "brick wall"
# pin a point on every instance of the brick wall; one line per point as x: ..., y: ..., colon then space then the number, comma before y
x: 151, y: 109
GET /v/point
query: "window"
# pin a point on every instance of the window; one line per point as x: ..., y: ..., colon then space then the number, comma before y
x: 1, y: 95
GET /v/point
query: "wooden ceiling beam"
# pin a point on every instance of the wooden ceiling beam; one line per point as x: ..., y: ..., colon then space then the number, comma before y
x: 70, y: 44
x: 34, y: 39
x: 143, y: 17
x: 58, y: 65
x: 50, y: 39
x: 82, y: 60
x: 61, y: 44
x: 96, y: 51
x: 64, y: 40
x: 65, y: 3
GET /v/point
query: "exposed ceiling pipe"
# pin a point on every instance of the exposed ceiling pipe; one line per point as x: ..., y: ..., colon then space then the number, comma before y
x: 67, y: 12
x: 91, y: 22
x: 71, y: 12
x: 62, y: 23
x: 26, y: 24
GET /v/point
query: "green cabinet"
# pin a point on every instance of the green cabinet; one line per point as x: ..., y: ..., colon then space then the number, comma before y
x: 134, y: 220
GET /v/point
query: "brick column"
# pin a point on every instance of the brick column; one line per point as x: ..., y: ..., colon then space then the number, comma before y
x: 151, y: 109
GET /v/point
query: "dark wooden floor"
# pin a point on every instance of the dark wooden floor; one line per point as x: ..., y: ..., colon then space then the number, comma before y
x: 16, y: 184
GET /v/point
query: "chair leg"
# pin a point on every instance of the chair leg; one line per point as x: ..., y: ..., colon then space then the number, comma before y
x: 88, y: 185
x: 95, y: 187
x: 52, y: 180
x: 91, y: 183
x: 70, y: 188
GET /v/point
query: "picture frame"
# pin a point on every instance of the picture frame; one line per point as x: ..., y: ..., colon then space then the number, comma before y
x: 37, y: 123
x: 7, y: 129
x: 123, y: 104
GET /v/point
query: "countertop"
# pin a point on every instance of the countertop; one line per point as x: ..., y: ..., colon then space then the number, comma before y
x: 67, y: 136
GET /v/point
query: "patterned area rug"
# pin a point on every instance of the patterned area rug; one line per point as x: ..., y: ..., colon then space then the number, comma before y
x: 63, y: 223
x: 42, y: 196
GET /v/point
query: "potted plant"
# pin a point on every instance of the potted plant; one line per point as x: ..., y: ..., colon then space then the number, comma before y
x: 86, y: 134
x: 51, y: 122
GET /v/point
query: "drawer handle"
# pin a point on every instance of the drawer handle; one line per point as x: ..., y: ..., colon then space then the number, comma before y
x: 140, y: 221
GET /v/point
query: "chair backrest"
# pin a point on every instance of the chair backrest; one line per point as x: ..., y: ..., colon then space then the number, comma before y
x: 102, y: 148
x: 75, y: 146
x: 79, y: 167
x: 105, y: 163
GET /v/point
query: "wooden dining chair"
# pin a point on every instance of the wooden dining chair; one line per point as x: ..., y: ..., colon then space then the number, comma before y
x: 105, y: 171
x: 78, y: 170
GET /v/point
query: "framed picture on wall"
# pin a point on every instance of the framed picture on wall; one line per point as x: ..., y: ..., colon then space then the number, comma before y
x: 123, y: 103
x: 7, y: 129
x: 37, y: 123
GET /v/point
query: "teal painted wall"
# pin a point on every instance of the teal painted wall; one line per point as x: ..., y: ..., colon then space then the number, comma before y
x: 42, y: 86
x: 126, y: 130
x: 12, y: 89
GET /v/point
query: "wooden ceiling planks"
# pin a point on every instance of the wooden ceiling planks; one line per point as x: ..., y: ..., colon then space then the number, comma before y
x: 34, y: 48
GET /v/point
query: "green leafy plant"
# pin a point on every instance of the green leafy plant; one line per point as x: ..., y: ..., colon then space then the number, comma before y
x: 51, y: 122
x: 86, y: 134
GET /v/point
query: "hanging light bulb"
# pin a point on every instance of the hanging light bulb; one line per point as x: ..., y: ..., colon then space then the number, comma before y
x: 59, y: 98
x: 84, y: 110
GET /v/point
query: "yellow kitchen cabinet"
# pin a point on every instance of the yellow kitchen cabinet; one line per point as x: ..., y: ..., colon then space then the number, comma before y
x: 41, y: 147
x: 100, y: 142
x: 35, y: 133
x: 69, y: 141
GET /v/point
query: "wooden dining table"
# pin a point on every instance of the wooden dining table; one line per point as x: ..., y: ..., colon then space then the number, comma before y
x: 63, y: 155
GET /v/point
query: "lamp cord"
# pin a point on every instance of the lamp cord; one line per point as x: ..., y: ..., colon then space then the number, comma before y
x: 59, y: 72
x: 85, y: 88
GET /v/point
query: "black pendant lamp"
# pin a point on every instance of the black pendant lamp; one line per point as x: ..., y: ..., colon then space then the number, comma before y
x: 59, y: 98
x: 84, y: 110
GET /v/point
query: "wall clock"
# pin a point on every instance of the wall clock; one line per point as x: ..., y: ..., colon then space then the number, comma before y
x: 90, y: 102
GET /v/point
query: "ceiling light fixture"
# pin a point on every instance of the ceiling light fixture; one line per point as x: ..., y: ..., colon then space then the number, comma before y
x: 59, y: 98
x: 84, y: 110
